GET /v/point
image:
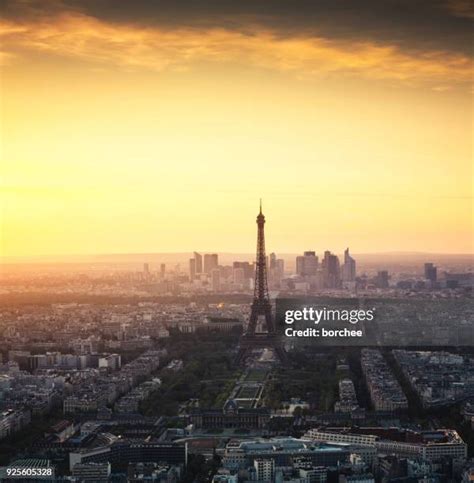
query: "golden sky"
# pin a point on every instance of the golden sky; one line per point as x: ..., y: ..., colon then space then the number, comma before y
x: 126, y: 128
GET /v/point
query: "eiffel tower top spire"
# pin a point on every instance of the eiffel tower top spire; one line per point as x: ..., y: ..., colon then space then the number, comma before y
x: 261, y: 286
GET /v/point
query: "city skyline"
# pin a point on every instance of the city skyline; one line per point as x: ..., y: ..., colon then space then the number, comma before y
x: 132, y: 129
x: 160, y: 323
x: 155, y: 258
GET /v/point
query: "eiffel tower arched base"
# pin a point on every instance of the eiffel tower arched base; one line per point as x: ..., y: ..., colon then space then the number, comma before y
x: 249, y: 343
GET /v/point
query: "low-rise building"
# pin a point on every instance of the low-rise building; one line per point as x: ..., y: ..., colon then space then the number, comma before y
x: 429, y: 445
x: 13, y: 420
x: 92, y: 472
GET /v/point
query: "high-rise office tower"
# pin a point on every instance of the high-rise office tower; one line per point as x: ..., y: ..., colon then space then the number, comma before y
x: 349, y: 267
x: 238, y: 275
x: 211, y: 261
x: 275, y: 271
x: 280, y: 266
x: 300, y: 266
x: 381, y: 280
x: 331, y: 270
x: 215, y: 260
x: 248, y: 268
x: 431, y: 272
x: 146, y: 269
x: 310, y: 263
x: 163, y: 270
x: 307, y: 265
x: 192, y: 269
x: 216, y: 279
x: 272, y: 262
x: 198, y: 261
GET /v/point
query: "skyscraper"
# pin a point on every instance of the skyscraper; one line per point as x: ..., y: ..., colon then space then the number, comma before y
x: 331, y: 270
x: 431, y: 272
x: 381, y: 280
x: 198, y: 262
x: 248, y: 268
x: 349, y: 267
x: 211, y: 261
x: 300, y: 265
x: 275, y: 271
x: 238, y: 276
x: 273, y: 260
x: 310, y: 263
x: 280, y: 265
x: 192, y: 269
x: 216, y: 279
x: 307, y: 265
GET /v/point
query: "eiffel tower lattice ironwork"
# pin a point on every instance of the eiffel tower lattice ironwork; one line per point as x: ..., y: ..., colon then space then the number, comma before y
x: 261, y: 311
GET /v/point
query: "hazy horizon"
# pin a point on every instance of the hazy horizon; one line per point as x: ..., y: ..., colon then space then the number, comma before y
x: 229, y: 253
x: 135, y: 261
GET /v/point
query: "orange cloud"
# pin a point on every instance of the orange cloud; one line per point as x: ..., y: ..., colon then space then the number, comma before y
x: 461, y: 8
x: 75, y: 35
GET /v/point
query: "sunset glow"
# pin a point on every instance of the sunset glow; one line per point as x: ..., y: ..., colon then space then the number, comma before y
x: 153, y: 135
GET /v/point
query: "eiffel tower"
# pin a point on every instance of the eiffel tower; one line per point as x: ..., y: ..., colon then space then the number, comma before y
x: 261, y: 312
